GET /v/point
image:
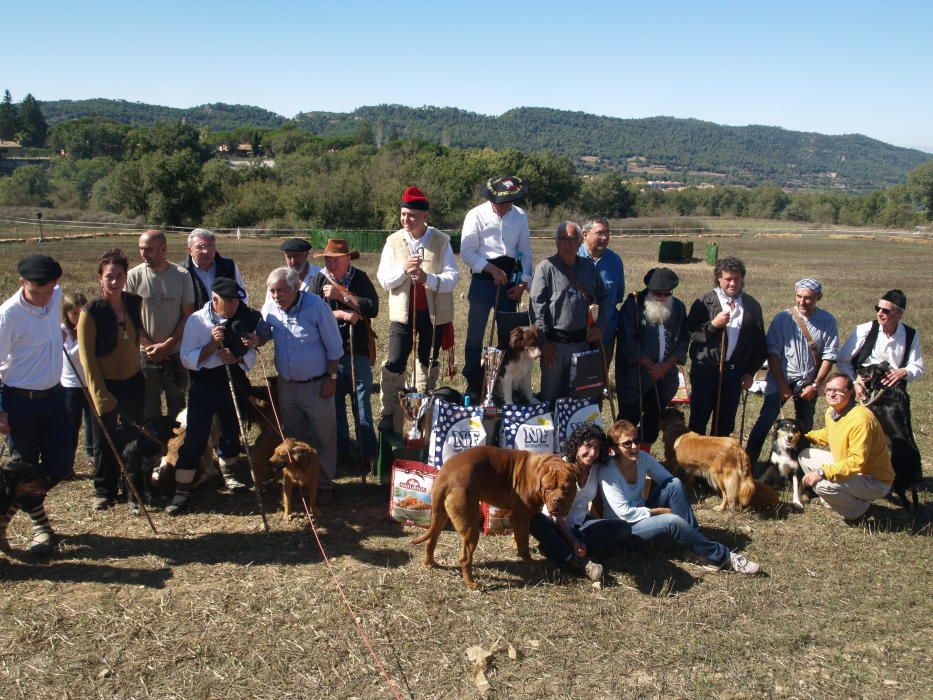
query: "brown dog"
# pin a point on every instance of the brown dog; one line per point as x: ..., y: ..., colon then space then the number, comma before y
x: 521, y: 481
x: 300, y: 469
x: 720, y: 460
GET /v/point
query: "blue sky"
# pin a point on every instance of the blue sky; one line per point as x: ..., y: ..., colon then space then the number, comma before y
x: 835, y: 68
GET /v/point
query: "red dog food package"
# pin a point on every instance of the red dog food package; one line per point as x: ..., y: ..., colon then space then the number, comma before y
x: 571, y: 413
x: 496, y: 521
x: 410, y: 495
x: 529, y: 428
x: 454, y: 429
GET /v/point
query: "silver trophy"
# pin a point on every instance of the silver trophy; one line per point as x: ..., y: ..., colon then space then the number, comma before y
x: 414, y: 406
x: 492, y: 361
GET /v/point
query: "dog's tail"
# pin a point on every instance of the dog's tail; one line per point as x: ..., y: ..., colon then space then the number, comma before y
x: 438, y: 518
x: 763, y: 497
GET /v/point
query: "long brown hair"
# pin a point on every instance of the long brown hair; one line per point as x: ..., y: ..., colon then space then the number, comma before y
x: 69, y: 302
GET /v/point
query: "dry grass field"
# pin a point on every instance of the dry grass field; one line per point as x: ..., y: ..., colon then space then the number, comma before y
x: 211, y: 608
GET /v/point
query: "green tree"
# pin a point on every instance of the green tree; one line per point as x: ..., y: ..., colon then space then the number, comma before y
x: 28, y: 186
x: 606, y: 195
x: 920, y: 181
x: 72, y: 180
x: 89, y: 137
x: 32, y: 122
x: 9, y: 118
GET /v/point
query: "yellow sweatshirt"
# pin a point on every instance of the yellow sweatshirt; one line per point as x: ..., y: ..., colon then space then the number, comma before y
x: 858, y: 445
x: 122, y: 363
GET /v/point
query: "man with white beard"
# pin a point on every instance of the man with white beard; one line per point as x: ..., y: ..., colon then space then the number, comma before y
x: 652, y: 340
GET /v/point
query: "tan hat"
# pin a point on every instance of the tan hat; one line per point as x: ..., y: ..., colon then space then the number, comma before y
x: 335, y: 248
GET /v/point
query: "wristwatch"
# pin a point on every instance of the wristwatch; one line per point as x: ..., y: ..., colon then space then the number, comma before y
x: 821, y: 473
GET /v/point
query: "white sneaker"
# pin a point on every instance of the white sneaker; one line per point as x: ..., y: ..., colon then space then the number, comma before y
x: 742, y: 565
x: 594, y: 571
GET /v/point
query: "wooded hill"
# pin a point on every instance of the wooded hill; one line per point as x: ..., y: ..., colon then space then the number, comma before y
x: 654, y: 148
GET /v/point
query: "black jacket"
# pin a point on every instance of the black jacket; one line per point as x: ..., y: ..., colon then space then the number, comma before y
x: 225, y: 268
x: 751, y: 351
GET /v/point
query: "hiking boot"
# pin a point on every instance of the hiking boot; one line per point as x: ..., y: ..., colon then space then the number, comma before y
x: 742, y: 565
x: 233, y: 484
x: 103, y: 502
x: 593, y: 571
x: 178, y: 505
x: 41, y: 544
x: 134, y: 509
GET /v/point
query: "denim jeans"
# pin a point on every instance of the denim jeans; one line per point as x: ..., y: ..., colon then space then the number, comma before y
x: 39, y: 431
x: 599, y: 535
x: 481, y: 298
x: 77, y: 406
x: 361, y: 405
x: 770, y: 410
x: 680, y: 524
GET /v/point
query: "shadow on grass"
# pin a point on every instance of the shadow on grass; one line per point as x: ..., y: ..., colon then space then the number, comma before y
x: 886, y: 517
x: 79, y: 572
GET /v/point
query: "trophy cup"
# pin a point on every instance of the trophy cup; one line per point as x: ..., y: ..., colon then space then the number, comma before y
x: 492, y: 361
x: 414, y: 405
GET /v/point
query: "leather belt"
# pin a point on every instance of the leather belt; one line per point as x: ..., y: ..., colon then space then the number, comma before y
x: 33, y: 393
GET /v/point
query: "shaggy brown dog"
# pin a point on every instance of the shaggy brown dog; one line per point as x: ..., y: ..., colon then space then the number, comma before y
x: 517, y: 362
x: 300, y: 469
x: 720, y: 460
x: 521, y: 481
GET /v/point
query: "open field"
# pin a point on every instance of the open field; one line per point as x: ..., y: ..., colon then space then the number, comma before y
x: 211, y: 608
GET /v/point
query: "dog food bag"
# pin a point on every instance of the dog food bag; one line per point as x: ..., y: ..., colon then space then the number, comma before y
x: 454, y: 429
x: 529, y: 428
x: 572, y: 412
x: 410, y: 495
x: 496, y: 521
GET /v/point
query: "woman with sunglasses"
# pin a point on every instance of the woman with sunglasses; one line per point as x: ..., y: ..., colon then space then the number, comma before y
x: 667, y: 510
x: 569, y: 541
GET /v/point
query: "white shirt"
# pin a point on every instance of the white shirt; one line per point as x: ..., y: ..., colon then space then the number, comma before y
x: 581, y: 502
x: 31, y: 342
x: 70, y: 380
x: 208, y: 276
x: 486, y: 235
x: 305, y: 285
x: 389, y: 276
x: 887, y: 348
x: 623, y: 500
x: 734, y: 327
x: 197, y: 334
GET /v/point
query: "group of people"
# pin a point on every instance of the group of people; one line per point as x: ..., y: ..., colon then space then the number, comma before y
x: 186, y: 333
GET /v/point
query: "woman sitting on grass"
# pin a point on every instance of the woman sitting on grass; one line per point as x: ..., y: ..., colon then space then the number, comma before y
x: 667, y: 510
x: 569, y: 541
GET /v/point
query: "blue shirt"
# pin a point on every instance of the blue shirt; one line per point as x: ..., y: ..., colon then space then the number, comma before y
x: 306, y: 337
x: 787, y: 342
x: 612, y: 271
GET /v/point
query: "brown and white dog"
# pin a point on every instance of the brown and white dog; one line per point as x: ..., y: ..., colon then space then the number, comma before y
x: 720, y: 460
x: 517, y: 362
x: 514, y: 479
x: 301, y: 469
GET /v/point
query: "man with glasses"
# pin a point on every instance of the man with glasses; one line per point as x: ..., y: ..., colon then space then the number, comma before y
x: 856, y: 469
x: 652, y: 342
x: 802, y: 346
x: 562, y: 290
x: 609, y: 265
x: 886, y: 339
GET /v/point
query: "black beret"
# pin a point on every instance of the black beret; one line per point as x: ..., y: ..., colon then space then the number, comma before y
x: 295, y: 245
x: 896, y: 297
x: 40, y: 269
x: 227, y: 288
x: 661, y: 279
x: 503, y: 189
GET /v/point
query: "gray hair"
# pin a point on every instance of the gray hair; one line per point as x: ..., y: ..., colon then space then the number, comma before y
x: 563, y: 226
x: 286, y: 273
x: 199, y: 233
x: 591, y: 221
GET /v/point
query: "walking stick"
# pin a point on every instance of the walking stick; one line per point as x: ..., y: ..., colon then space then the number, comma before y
x: 113, y: 448
x: 593, y: 312
x: 257, y: 487
x: 354, y: 409
x: 641, y: 402
x: 744, y: 404
x: 722, y: 361
x: 492, y: 324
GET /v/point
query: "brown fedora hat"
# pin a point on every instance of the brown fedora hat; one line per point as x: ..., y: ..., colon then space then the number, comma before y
x: 336, y: 247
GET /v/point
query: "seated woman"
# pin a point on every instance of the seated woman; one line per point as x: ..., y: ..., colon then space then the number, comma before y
x: 108, y: 342
x: 569, y: 541
x: 667, y: 510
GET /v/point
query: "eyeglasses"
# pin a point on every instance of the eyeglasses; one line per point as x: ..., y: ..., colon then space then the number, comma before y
x: 884, y: 310
x: 829, y: 391
x: 628, y: 443
x: 662, y: 294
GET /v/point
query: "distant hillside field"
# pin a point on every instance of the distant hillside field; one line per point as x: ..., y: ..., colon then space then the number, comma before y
x: 654, y: 148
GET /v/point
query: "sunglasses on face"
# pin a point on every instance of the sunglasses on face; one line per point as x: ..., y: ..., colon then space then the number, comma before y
x: 835, y: 392
x: 628, y: 443
x: 883, y: 310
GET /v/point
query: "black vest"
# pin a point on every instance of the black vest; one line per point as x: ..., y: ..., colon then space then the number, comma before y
x: 863, y: 353
x: 105, y: 321
x: 225, y: 268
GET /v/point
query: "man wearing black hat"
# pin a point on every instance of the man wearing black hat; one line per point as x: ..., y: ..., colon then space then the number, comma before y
x: 724, y: 318
x: 564, y: 287
x: 418, y: 269
x: 205, y: 265
x: 32, y: 401
x: 496, y: 244
x: 652, y: 341
x: 297, y: 252
x: 218, y: 335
